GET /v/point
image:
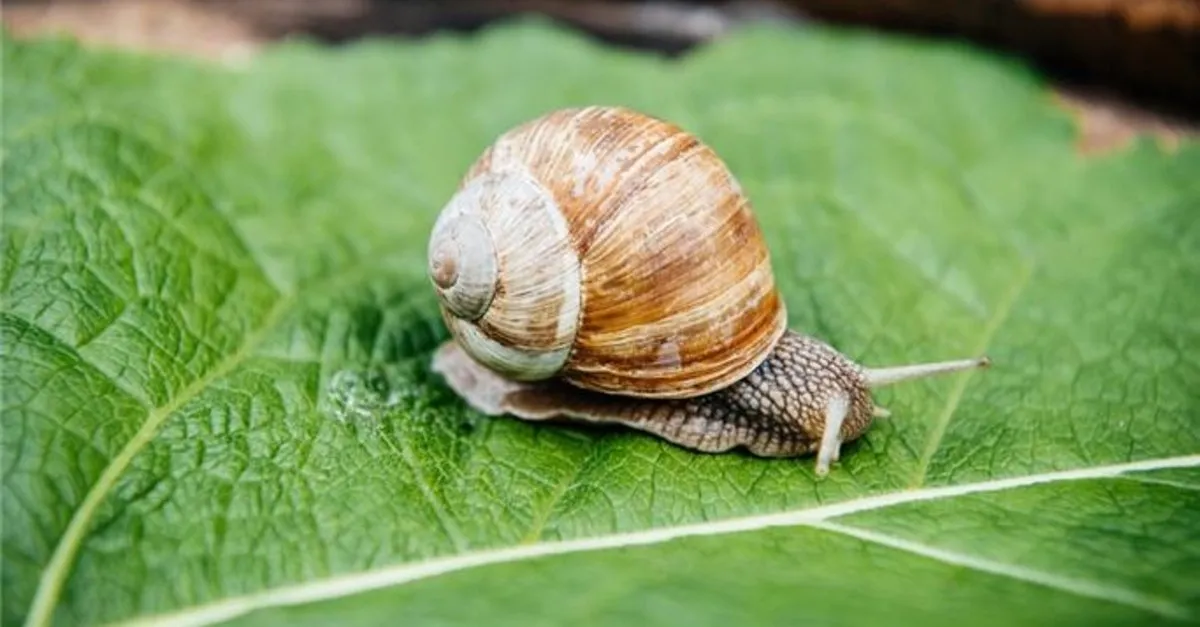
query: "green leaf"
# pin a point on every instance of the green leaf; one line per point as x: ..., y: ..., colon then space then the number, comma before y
x: 216, y: 325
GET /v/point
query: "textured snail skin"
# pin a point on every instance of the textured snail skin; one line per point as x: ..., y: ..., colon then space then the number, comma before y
x: 609, y: 249
x: 601, y: 265
x: 781, y: 409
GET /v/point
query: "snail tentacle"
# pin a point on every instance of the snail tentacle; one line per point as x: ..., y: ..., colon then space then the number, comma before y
x: 831, y: 438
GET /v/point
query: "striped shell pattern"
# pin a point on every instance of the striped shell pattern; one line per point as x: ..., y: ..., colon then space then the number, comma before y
x: 611, y: 249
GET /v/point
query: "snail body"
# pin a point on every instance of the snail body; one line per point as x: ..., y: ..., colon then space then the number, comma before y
x: 603, y: 265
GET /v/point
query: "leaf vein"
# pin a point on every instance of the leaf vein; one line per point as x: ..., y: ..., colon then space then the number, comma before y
x: 24, y: 325
x: 425, y: 486
x: 538, y: 525
x: 61, y: 561
x: 356, y: 583
x: 1003, y: 311
x: 1081, y: 587
x: 1179, y: 485
x: 55, y: 574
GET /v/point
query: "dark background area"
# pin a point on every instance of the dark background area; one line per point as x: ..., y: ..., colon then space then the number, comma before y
x: 1125, y: 67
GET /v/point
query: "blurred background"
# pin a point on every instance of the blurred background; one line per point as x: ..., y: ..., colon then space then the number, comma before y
x: 1123, y: 67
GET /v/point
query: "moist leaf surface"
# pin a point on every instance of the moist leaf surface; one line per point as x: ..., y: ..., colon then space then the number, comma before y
x: 216, y: 331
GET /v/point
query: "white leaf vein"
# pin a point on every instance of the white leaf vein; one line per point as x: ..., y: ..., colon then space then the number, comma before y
x: 1072, y: 585
x: 817, y: 517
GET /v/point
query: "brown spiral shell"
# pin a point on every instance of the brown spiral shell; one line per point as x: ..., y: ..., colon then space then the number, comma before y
x: 611, y: 249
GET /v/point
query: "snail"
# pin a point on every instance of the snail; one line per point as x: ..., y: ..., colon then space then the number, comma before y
x: 603, y: 265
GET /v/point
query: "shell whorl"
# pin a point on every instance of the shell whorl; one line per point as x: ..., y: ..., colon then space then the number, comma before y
x: 462, y: 263
x: 503, y: 268
x: 630, y: 251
